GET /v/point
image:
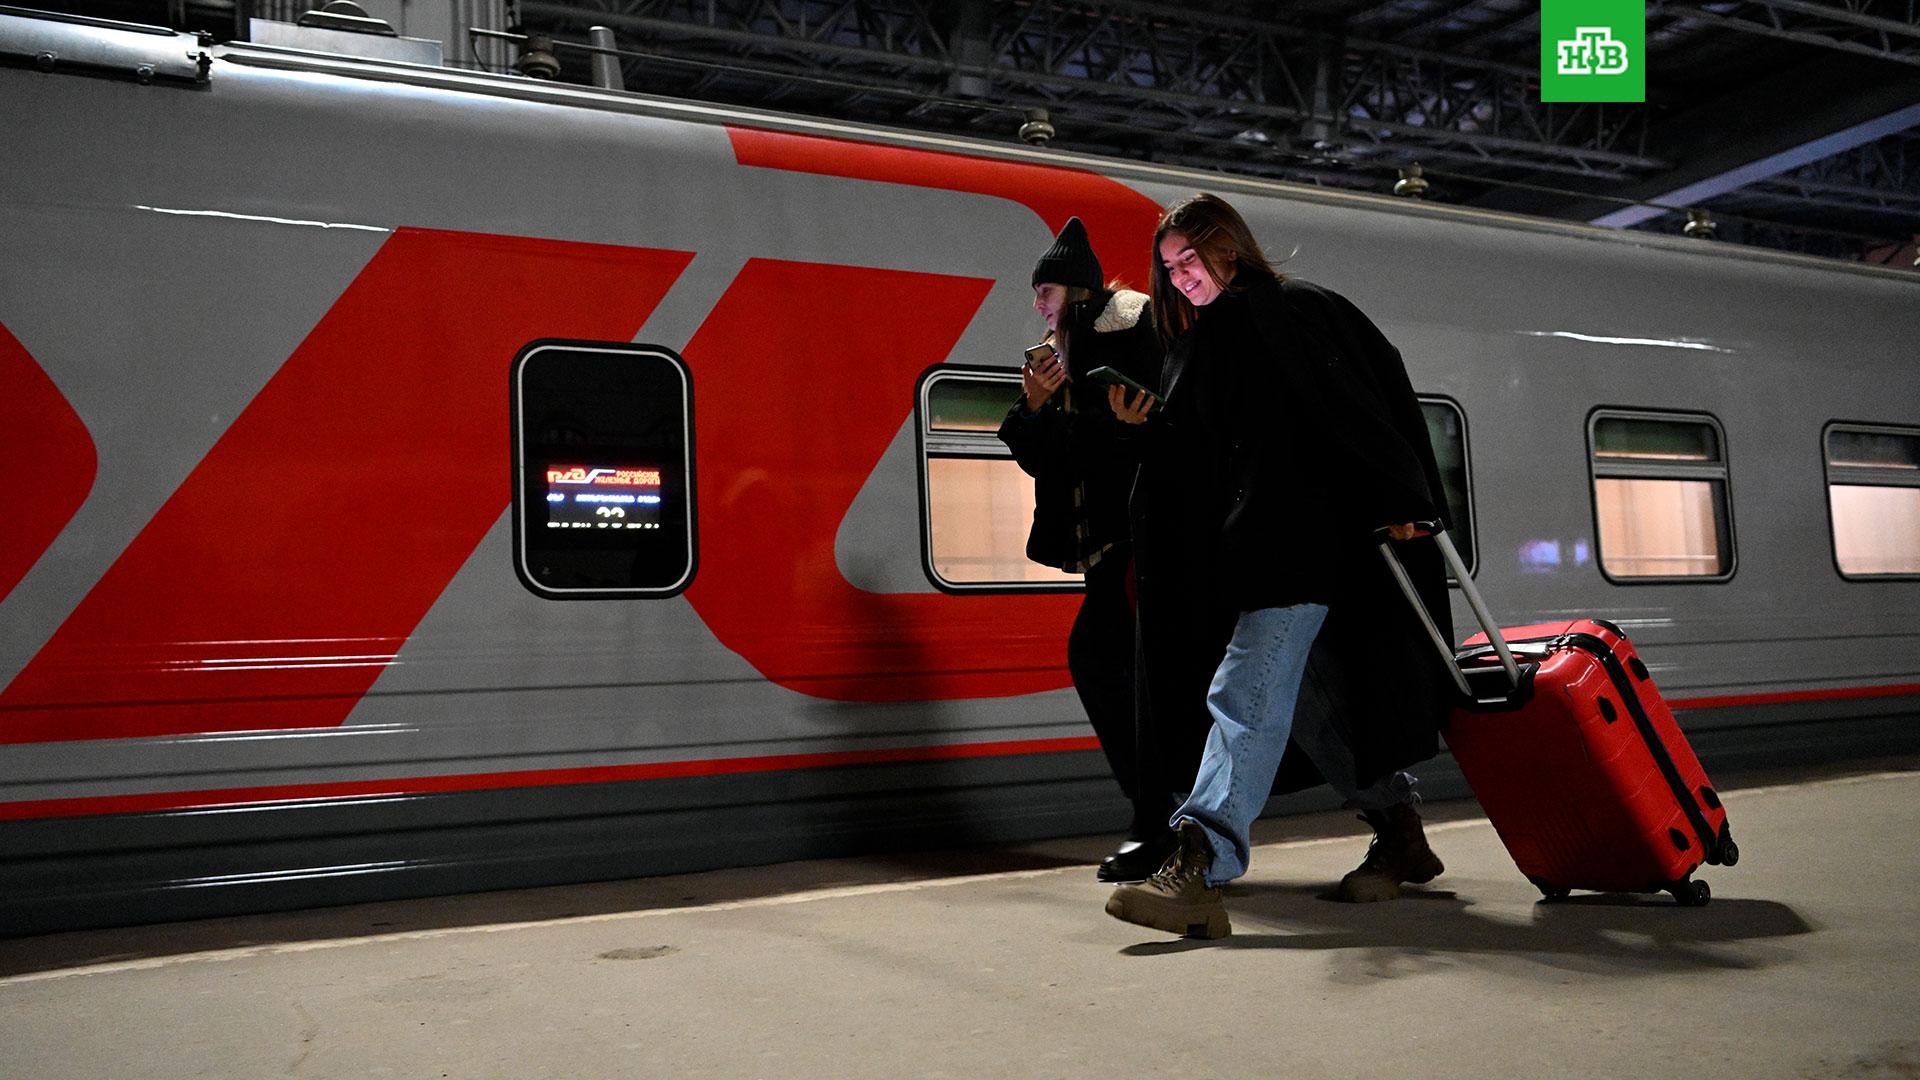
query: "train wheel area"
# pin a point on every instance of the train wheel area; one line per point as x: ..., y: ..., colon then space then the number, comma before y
x: 1001, y: 961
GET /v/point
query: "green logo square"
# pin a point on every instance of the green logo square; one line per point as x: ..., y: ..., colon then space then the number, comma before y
x: 1593, y: 50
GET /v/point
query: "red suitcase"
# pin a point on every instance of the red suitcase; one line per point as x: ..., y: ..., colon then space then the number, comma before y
x: 1576, y: 758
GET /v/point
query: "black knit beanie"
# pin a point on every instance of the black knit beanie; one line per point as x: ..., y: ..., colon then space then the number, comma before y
x: 1070, y: 260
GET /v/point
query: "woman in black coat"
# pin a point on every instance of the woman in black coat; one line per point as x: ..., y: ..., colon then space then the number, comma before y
x: 1063, y: 434
x: 1291, y: 434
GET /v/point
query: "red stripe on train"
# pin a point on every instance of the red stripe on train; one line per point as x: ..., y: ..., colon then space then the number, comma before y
x: 796, y: 619
x: 1844, y: 693
x: 425, y: 785
x: 335, y: 510
x: 1119, y: 219
x: 47, y: 461
x: 830, y: 399
x: 182, y: 633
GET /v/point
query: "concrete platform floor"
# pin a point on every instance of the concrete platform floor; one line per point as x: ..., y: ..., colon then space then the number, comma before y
x: 1803, y: 966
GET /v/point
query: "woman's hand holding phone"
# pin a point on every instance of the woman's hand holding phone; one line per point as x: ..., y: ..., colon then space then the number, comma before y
x: 1134, y: 412
x: 1041, y: 375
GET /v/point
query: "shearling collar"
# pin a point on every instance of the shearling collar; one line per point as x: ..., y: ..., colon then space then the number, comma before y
x: 1122, y: 312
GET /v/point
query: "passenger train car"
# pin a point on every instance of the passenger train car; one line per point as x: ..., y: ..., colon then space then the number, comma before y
x: 421, y: 480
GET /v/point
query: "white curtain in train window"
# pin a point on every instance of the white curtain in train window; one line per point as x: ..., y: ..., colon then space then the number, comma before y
x: 979, y: 503
x: 1873, y: 492
x: 979, y: 511
x: 1659, y: 528
x: 1660, y: 497
x: 1876, y: 530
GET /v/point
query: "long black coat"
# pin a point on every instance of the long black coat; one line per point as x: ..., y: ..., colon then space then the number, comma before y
x: 1310, y: 439
x: 1059, y: 448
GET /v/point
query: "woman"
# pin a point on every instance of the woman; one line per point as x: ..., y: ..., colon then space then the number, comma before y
x: 1297, y: 429
x: 1063, y: 435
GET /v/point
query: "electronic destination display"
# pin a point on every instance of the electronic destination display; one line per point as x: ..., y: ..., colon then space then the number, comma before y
x: 604, y: 493
x: 603, y: 497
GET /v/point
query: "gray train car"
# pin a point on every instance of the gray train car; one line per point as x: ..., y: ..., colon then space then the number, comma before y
x: 425, y: 480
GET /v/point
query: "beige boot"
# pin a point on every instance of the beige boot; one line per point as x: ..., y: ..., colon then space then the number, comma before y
x: 1399, y: 853
x: 1176, y: 898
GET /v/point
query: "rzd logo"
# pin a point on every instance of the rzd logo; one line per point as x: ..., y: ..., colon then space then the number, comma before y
x: 1593, y: 50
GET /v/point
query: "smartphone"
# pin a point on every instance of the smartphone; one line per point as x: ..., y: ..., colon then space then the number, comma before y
x: 1113, y: 377
x: 1040, y: 354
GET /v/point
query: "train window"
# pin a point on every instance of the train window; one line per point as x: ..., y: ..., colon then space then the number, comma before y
x: 977, y: 504
x: 1660, y: 496
x: 1873, y: 494
x: 603, y: 490
x: 1447, y: 431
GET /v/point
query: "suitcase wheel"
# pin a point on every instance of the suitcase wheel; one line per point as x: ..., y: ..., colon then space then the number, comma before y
x: 1728, y: 852
x: 1550, y: 892
x: 1691, y: 893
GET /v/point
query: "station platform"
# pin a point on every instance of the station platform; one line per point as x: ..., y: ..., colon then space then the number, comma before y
x: 1001, y: 963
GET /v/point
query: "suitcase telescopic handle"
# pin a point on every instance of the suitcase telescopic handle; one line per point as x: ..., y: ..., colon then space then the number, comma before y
x: 1467, y: 587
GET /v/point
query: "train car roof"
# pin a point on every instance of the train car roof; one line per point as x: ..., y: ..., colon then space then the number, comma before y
x: 123, y: 46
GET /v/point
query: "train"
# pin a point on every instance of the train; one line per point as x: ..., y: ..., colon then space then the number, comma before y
x: 426, y: 480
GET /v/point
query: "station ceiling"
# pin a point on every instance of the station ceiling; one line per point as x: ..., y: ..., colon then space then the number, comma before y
x: 1787, y: 123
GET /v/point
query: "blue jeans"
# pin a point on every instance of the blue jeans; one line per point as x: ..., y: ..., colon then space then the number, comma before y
x: 1253, y: 701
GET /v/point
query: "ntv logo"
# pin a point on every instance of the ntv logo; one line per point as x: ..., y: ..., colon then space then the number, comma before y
x: 1592, y: 51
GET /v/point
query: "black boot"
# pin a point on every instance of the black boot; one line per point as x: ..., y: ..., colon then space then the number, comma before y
x: 1137, y: 857
x: 1399, y: 853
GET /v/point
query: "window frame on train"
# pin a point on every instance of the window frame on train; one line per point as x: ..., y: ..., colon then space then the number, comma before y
x: 931, y: 445
x: 1716, y: 470
x: 680, y: 572
x: 1464, y: 535
x: 1869, y: 476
